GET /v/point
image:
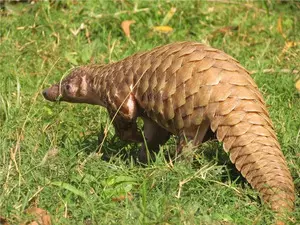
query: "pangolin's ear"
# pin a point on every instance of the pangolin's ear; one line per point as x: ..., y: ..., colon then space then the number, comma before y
x: 83, y: 86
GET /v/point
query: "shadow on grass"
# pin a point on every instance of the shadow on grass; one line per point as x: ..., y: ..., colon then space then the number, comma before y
x: 113, y: 147
x: 213, y: 152
x: 114, y: 150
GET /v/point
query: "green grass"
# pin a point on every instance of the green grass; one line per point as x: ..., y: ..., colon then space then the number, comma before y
x: 47, y: 149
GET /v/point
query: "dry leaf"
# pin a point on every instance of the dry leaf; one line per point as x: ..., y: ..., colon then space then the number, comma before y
x: 279, y: 26
x: 210, y: 9
x: 41, y: 216
x: 3, y: 221
x: 225, y: 30
x: 228, y: 29
x: 126, y: 27
x: 122, y: 197
x: 288, y: 45
x: 298, y: 85
x: 163, y: 29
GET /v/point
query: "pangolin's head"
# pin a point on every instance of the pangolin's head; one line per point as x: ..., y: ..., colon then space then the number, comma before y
x: 74, y: 88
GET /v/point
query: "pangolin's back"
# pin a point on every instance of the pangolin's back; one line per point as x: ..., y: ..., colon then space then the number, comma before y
x: 175, y: 84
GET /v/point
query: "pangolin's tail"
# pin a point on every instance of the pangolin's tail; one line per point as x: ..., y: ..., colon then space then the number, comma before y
x: 241, y: 121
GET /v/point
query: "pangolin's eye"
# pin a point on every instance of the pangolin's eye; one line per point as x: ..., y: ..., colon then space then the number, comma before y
x: 68, y: 87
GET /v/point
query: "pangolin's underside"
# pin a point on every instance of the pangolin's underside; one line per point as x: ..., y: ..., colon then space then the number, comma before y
x: 188, y: 88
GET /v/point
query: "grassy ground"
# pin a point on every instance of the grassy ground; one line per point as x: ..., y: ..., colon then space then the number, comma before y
x: 47, y: 149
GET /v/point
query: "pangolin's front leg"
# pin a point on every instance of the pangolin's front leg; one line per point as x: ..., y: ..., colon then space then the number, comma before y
x: 126, y: 128
x: 155, y: 136
x: 123, y: 114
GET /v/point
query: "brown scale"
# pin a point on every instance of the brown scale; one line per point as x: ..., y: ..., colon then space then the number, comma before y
x: 189, y: 89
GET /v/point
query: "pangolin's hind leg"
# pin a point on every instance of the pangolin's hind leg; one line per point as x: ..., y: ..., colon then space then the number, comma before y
x: 155, y: 136
x: 202, y: 134
x: 209, y: 136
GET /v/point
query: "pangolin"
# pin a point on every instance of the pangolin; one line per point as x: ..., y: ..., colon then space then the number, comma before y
x: 188, y: 89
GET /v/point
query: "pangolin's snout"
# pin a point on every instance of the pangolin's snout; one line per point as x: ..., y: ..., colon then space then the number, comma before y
x: 52, y: 93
